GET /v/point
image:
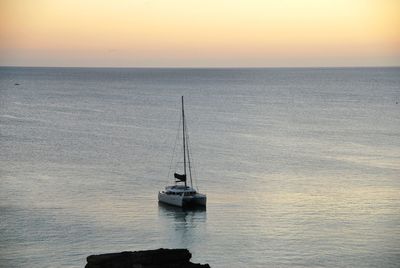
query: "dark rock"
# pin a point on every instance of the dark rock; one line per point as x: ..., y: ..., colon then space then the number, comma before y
x: 159, y: 258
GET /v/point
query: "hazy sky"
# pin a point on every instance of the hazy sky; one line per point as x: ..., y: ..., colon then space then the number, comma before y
x: 200, y: 33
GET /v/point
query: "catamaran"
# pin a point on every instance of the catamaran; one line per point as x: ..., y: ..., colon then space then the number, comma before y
x: 180, y: 194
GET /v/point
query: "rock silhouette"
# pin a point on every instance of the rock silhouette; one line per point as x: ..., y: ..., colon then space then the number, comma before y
x: 159, y: 258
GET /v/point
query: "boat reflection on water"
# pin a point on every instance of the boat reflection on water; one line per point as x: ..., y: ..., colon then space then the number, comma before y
x: 181, y: 214
x: 183, y: 226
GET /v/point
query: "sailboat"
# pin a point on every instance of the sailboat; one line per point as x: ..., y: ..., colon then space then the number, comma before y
x: 181, y: 194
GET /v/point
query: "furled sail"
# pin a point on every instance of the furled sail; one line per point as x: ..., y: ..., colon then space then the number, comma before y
x: 180, y: 177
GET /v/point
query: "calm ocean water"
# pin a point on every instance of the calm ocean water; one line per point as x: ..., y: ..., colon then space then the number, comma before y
x: 301, y: 166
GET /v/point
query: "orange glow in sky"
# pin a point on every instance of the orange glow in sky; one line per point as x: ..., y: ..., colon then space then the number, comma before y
x: 200, y: 33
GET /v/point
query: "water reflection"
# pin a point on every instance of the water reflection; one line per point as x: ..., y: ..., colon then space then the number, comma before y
x: 183, y: 226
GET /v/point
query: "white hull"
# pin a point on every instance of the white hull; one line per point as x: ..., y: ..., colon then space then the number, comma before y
x: 182, y: 201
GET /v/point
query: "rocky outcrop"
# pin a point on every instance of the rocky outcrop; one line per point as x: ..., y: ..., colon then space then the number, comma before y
x: 159, y: 258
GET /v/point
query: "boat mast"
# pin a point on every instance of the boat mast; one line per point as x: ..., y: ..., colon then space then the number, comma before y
x: 184, y: 141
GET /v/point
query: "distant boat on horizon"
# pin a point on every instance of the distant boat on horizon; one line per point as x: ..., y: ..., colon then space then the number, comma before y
x: 180, y: 194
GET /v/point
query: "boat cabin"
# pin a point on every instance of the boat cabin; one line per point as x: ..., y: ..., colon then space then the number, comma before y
x: 179, y: 190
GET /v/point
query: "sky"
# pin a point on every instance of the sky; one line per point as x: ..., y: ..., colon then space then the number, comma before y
x: 200, y: 33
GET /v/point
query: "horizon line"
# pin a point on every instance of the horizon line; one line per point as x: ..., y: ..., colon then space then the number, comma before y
x: 205, y: 67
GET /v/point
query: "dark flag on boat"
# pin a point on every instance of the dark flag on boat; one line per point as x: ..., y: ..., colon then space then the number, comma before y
x: 180, y: 177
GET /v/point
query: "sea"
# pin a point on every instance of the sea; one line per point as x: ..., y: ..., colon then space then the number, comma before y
x: 301, y: 166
